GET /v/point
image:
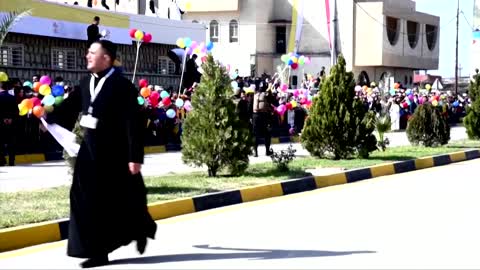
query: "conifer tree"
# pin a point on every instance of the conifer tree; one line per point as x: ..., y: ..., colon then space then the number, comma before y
x: 472, y: 120
x: 213, y: 134
x: 428, y: 126
x: 339, y: 123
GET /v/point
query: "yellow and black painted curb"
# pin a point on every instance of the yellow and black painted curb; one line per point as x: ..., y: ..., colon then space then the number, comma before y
x: 39, y: 158
x: 29, y: 235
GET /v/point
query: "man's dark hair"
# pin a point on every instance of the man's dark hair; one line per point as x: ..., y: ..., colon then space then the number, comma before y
x: 194, y: 56
x: 109, y: 47
x: 58, y: 79
x: 96, y: 19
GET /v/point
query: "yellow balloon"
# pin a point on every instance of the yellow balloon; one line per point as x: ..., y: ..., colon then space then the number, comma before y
x: 188, y: 6
x: 3, y: 77
x: 294, y: 104
x: 22, y: 110
x: 197, y: 51
x: 295, y: 60
x: 139, y: 35
x: 45, y: 90
x: 435, y: 103
x: 181, y: 43
x: 428, y: 87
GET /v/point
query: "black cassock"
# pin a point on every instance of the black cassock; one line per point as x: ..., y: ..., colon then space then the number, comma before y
x: 108, y: 205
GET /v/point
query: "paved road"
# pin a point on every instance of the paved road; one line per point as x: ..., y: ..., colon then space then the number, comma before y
x: 419, y: 220
x: 52, y: 174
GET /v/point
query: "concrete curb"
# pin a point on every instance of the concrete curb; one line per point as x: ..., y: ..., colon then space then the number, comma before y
x: 39, y: 158
x: 35, y: 234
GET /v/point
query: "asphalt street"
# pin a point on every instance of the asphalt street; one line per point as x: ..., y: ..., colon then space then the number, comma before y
x: 426, y: 219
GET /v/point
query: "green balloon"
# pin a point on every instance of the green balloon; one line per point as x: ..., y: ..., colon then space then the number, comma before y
x: 58, y: 100
x: 141, y: 101
x: 48, y: 109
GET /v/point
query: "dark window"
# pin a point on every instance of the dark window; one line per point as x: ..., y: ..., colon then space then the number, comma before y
x: 214, y: 31
x: 393, y: 26
x: 281, y: 39
x: 363, y: 79
x: 413, y: 29
x: 431, y: 34
x: 233, y: 31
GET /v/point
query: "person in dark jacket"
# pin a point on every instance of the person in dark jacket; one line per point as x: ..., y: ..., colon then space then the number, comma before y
x: 93, y: 33
x: 8, y: 115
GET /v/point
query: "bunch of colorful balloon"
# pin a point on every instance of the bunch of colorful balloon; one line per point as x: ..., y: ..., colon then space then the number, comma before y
x: 46, y: 100
x: 162, y: 99
x: 295, y: 60
x: 301, y: 97
x: 140, y: 37
x: 192, y: 47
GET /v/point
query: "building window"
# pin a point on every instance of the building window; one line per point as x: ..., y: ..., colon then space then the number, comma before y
x: 413, y: 29
x: 194, y: 21
x: 393, y: 30
x: 233, y: 31
x: 214, y: 31
x: 431, y: 34
x: 363, y: 79
x: 166, y: 66
x: 405, y: 80
x: 64, y: 58
x: 281, y: 39
x: 11, y: 55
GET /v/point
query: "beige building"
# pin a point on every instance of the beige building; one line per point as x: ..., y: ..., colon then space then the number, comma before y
x: 380, y: 39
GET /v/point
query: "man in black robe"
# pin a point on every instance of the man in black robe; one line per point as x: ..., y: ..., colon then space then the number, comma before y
x: 108, y: 205
x: 93, y: 33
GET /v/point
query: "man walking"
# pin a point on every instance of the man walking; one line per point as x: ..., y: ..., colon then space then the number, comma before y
x: 108, y: 206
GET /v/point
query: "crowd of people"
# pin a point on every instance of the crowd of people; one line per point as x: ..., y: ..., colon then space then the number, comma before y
x: 275, y: 111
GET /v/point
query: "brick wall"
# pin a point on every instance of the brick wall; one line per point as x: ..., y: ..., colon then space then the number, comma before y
x: 37, y: 54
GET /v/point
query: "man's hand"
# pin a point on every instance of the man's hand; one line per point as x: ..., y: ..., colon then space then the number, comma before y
x: 7, y: 121
x: 134, y: 168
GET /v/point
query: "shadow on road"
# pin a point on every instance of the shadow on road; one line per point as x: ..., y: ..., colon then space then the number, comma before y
x: 169, y: 189
x: 252, y: 254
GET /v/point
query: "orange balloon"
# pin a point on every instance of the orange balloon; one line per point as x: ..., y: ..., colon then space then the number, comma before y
x: 38, y: 111
x: 145, y: 92
x: 27, y: 103
x: 36, y: 86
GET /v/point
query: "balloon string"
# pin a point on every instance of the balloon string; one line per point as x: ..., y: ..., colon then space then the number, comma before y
x: 136, y: 61
x: 183, y: 71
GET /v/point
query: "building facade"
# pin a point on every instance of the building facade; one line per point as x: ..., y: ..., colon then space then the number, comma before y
x: 381, y: 40
x: 53, y: 41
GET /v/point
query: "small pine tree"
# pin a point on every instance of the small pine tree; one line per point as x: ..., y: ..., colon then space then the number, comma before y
x: 428, y: 126
x: 213, y: 134
x: 78, y: 131
x: 472, y: 120
x: 338, y: 123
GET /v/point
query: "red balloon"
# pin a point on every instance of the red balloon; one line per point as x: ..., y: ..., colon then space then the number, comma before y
x: 147, y: 38
x: 167, y: 101
x: 153, y: 101
x: 143, y: 83
x: 132, y: 32
x: 289, y: 106
x: 294, y: 66
x: 154, y: 96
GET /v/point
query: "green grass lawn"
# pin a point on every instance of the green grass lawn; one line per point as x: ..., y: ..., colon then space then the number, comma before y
x: 36, y: 206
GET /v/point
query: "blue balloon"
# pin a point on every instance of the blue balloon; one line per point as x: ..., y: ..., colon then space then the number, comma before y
x: 179, y: 103
x: 188, y: 42
x: 209, y: 45
x: 290, y: 62
x: 28, y: 84
x: 171, y: 113
x: 408, y: 92
x: 58, y: 90
x: 164, y: 94
x: 48, y: 100
x: 456, y: 104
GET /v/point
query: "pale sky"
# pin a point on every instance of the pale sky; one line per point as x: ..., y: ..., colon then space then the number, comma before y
x: 446, y: 10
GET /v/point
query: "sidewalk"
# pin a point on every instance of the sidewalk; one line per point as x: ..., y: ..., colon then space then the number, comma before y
x: 53, y: 174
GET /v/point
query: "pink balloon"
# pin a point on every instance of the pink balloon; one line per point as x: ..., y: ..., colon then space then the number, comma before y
x: 36, y: 101
x: 194, y: 45
x: 281, y: 109
x: 307, y: 60
x: 188, y: 106
x: 296, y: 93
x: 45, y: 80
x: 284, y: 87
x: 147, y: 38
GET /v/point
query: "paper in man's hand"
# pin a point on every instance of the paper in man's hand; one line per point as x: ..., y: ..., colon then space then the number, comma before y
x: 64, y: 137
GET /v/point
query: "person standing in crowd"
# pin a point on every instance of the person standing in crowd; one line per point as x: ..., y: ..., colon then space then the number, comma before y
x: 191, y: 72
x: 108, y: 205
x: 93, y: 32
x: 104, y: 4
x: 8, y: 113
x: 262, y: 110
